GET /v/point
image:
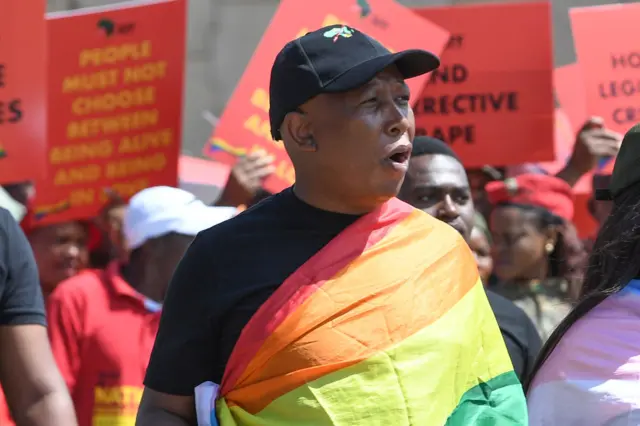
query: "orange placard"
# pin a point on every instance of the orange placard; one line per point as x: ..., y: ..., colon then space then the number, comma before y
x: 22, y: 90
x: 492, y: 97
x: 609, y: 58
x: 115, y: 105
x: 570, y: 94
x: 244, y: 125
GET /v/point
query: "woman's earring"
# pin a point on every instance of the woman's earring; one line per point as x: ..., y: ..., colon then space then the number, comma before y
x: 549, y: 247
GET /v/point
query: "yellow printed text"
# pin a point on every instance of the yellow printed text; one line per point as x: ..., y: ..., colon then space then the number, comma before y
x: 145, y: 141
x: 118, y: 395
x: 83, y: 152
x: 261, y: 128
x: 112, y: 55
x: 135, y: 166
x: 260, y: 100
x: 145, y: 73
x: 127, y: 189
x: 108, y: 102
x: 76, y: 175
x: 96, y: 127
x: 99, y: 80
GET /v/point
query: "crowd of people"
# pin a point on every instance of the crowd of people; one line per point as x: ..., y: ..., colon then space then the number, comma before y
x: 467, y: 300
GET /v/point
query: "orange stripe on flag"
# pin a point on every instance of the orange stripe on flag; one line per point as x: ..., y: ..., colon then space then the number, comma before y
x: 396, y: 288
x: 324, y: 265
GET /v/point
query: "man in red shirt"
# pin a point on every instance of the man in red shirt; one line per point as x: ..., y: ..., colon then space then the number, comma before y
x: 103, y: 322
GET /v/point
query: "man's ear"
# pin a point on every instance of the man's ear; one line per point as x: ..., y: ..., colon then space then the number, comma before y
x: 297, y: 132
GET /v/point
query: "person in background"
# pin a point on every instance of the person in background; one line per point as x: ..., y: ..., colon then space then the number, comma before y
x: 588, y: 372
x: 594, y: 142
x: 34, y: 390
x: 480, y: 244
x: 110, y: 245
x: 61, y: 250
x: 538, y: 258
x: 260, y: 303
x: 437, y: 184
x: 102, y: 323
x: 22, y: 192
x: 244, y: 186
x: 478, y: 179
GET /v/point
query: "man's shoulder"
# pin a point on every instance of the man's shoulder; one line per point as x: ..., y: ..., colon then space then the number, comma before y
x: 252, y: 220
x: 434, y: 229
x: 84, y: 287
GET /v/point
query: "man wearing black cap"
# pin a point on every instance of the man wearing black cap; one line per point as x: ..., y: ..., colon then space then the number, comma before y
x: 340, y: 105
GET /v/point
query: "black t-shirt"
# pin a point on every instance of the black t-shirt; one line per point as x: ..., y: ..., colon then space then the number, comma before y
x: 21, y: 299
x: 228, y: 272
x: 520, y: 335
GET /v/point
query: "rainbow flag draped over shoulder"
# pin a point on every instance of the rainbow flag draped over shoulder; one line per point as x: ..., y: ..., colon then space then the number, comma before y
x: 388, y: 325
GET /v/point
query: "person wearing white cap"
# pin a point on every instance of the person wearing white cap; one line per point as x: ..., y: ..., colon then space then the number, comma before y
x: 103, y: 322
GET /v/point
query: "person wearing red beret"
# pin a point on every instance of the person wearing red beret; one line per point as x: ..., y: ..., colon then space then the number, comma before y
x: 538, y: 257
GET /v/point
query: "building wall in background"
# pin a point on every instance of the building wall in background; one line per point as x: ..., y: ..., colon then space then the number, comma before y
x: 224, y: 33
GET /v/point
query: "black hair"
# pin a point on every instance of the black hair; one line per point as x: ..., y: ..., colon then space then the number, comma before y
x: 568, y: 258
x: 426, y: 145
x: 612, y: 264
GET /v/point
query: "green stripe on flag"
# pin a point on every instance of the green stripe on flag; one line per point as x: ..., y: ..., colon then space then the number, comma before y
x: 498, y: 402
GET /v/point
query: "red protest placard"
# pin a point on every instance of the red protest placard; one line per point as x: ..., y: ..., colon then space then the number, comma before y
x: 565, y: 136
x: 609, y: 58
x: 570, y: 94
x: 492, y: 97
x: 115, y: 105
x: 22, y: 90
x: 244, y: 125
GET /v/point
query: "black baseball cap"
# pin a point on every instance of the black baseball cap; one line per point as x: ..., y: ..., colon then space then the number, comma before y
x: 626, y: 171
x: 333, y: 59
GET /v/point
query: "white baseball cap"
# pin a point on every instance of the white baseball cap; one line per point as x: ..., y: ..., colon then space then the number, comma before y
x: 160, y: 210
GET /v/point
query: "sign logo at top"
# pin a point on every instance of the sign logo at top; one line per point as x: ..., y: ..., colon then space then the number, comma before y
x: 110, y: 27
x: 365, y: 8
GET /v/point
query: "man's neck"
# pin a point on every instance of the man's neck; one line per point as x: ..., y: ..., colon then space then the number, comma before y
x: 322, y: 200
x: 136, y: 278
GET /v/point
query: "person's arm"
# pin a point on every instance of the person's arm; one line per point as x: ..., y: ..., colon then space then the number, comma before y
x: 245, y: 179
x: 593, y: 142
x: 183, y: 355
x: 35, y: 392
x: 34, y: 389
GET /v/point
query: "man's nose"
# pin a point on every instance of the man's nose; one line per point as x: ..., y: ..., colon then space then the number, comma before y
x: 398, y: 122
x: 448, y: 207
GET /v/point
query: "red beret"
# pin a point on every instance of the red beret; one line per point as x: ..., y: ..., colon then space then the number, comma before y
x: 537, y: 190
x: 94, y: 236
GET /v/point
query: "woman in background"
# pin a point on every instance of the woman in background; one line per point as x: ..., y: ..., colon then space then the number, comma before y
x: 538, y: 258
x: 519, y: 333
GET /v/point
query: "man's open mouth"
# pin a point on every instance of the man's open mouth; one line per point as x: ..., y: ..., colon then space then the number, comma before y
x: 400, y: 154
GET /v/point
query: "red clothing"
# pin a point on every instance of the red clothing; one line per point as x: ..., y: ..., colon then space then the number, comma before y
x: 102, y: 333
x: 5, y: 414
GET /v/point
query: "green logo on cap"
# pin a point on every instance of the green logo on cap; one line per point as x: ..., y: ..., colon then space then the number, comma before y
x: 339, y: 32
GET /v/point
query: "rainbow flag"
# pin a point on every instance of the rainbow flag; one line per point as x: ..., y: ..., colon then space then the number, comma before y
x: 216, y: 144
x: 386, y: 325
x: 43, y: 211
